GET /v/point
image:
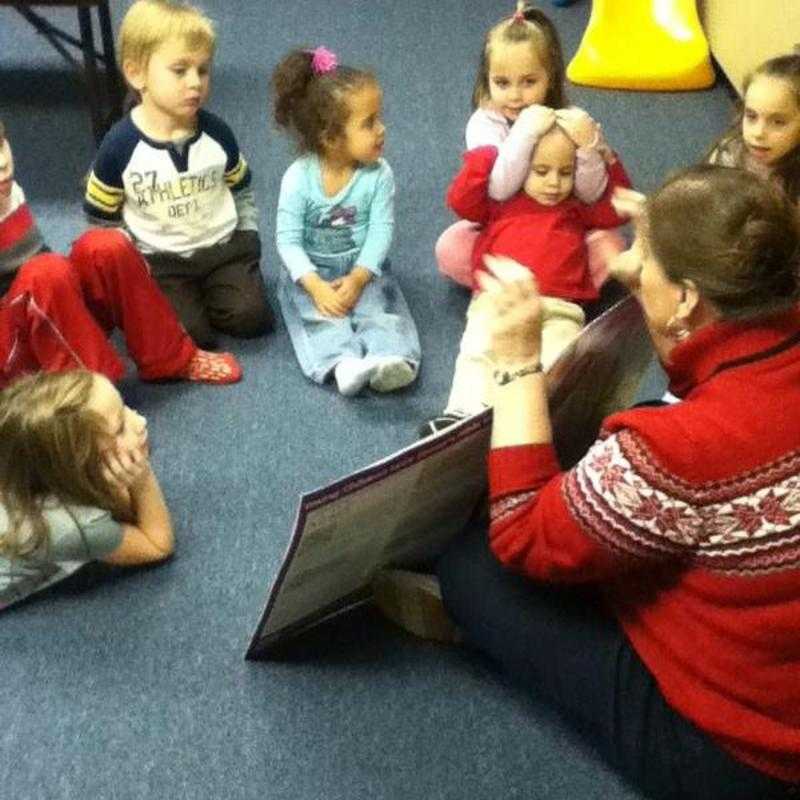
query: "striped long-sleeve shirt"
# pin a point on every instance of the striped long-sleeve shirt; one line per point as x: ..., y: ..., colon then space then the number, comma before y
x: 20, y: 238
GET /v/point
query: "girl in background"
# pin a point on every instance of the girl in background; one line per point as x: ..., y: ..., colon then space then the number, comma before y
x: 75, y: 482
x: 344, y: 311
x: 521, y: 70
x: 766, y: 136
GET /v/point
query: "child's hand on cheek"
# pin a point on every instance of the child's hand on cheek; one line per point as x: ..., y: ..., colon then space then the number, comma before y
x: 350, y: 287
x: 124, y: 467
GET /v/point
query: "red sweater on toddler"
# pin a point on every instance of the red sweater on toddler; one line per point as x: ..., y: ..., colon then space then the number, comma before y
x: 689, y: 517
x: 550, y: 240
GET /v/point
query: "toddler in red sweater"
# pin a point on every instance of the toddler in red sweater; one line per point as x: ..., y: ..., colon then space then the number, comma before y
x: 543, y: 227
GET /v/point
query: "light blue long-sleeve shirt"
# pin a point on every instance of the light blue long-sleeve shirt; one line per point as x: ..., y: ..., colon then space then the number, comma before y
x: 354, y: 227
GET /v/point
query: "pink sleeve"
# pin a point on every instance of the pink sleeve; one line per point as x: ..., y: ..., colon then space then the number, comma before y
x: 485, y: 128
x: 513, y: 163
x: 514, y: 148
x: 591, y: 175
x: 602, y: 214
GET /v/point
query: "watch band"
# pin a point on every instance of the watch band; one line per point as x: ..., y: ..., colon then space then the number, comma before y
x: 502, y: 377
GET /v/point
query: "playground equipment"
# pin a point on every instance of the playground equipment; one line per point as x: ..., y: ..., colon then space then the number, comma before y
x: 650, y: 45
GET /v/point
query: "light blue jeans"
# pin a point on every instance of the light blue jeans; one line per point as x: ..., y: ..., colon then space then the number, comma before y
x: 380, y: 324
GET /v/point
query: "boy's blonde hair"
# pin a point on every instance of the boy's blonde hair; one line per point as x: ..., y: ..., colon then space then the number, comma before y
x: 52, y: 448
x: 149, y: 23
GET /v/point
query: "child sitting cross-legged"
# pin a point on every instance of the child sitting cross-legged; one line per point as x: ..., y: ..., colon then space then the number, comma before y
x: 56, y: 312
x: 172, y: 174
x: 543, y: 227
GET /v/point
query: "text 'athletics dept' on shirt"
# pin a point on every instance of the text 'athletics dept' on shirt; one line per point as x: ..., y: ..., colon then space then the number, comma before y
x: 173, y: 198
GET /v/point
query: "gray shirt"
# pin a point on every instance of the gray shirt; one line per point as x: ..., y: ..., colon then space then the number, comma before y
x: 77, y: 535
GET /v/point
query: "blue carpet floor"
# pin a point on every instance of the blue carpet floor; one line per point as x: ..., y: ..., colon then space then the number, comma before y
x: 134, y: 685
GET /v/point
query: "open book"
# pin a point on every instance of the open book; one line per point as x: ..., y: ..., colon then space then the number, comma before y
x: 404, y: 509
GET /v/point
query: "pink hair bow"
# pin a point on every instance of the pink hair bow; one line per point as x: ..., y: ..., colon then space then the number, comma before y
x: 323, y: 61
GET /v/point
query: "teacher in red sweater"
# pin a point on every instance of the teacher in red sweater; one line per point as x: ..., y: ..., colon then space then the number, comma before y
x: 652, y: 592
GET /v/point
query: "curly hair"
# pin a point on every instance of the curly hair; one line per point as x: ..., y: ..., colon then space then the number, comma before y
x: 313, y: 107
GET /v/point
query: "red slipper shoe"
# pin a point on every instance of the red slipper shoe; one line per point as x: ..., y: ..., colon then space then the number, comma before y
x: 207, y: 367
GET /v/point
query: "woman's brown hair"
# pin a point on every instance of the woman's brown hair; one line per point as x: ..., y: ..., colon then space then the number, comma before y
x: 313, y: 107
x: 52, y: 449
x: 530, y: 25
x: 735, y: 235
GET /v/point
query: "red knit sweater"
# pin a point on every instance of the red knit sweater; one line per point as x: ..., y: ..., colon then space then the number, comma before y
x: 550, y: 240
x: 689, y: 516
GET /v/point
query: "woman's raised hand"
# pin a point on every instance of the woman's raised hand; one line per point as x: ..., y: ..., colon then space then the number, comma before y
x: 628, y: 202
x: 512, y: 303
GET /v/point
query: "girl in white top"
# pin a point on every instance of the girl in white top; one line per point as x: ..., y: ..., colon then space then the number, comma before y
x: 521, y: 71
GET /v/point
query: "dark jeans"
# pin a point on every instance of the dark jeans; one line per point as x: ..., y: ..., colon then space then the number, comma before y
x: 559, y: 643
x: 217, y: 288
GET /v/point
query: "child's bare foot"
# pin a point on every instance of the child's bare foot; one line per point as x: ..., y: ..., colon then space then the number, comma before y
x: 206, y: 367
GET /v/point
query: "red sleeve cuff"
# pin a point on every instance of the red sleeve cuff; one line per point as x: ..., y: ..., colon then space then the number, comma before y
x: 521, y: 468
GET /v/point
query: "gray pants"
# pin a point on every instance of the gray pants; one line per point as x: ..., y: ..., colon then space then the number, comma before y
x: 218, y: 288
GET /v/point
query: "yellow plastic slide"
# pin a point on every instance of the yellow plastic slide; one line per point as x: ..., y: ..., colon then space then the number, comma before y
x: 651, y: 45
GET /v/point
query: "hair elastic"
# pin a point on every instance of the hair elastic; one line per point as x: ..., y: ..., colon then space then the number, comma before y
x: 323, y: 61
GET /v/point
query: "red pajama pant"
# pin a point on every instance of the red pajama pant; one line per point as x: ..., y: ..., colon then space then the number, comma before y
x: 58, y: 312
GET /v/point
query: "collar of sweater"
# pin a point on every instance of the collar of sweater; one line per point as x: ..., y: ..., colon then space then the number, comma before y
x: 726, y: 344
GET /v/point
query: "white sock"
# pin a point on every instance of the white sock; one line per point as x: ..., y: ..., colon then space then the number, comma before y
x: 391, y: 372
x: 353, y: 374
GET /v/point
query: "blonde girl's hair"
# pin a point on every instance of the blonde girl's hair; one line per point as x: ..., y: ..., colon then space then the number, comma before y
x: 51, y: 449
x: 149, y: 23
x: 787, y: 169
x: 527, y: 24
x: 310, y: 106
